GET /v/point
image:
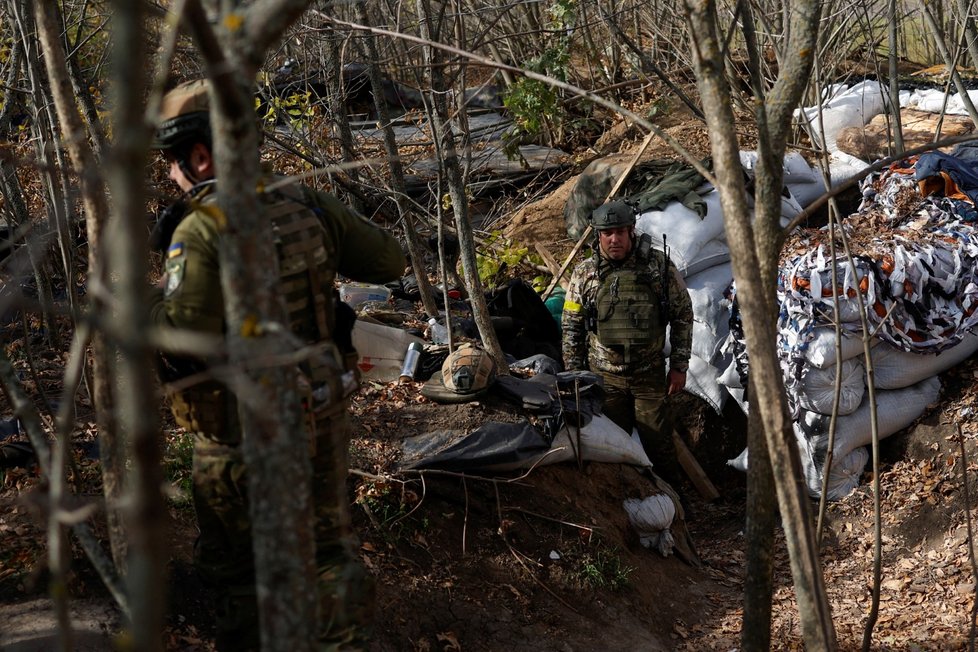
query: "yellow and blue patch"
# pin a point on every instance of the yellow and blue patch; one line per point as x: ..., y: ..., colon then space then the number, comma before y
x: 175, y: 266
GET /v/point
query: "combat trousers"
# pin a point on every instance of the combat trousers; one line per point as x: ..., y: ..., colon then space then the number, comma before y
x: 224, y: 555
x: 639, y: 401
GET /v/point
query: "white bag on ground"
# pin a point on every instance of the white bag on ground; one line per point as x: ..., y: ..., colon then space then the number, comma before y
x: 652, y: 517
x: 601, y: 441
x: 821, y: 349
x: 896, y: 409
x: 853, y: 107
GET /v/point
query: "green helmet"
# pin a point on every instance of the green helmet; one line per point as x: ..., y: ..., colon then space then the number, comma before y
x: 612, y: 215
x: 184, y: 117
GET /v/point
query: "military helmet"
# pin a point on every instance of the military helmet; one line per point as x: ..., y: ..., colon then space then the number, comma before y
x: 184, y: 116
x: 612, y: 215
x: 468, y: 370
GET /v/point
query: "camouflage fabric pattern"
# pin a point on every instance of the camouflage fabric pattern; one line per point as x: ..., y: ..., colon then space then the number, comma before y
x: 583, y: 349
x: 192, y: 299
x: 639, y: 402
x: 635, y: 385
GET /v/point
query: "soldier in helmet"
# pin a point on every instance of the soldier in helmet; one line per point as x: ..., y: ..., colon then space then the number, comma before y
x: 614, y: 322
x: 316, y: 237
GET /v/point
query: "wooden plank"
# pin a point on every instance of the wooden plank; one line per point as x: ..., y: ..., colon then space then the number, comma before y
x: 693, y: 469
x: 550, y: 262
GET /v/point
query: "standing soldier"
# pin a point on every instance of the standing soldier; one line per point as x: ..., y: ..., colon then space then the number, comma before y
x: 316, y: 237
x: 615, y: 316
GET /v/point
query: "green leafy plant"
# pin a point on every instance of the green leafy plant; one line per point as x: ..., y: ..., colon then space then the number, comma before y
x: 498, y: 258
x: 601, y: 567
x: 534, y: 105
x: 389, y: 505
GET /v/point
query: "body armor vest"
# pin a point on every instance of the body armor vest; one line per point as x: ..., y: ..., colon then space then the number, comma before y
x: 306, y: 279
x: 306, y: 283
x: 627, y: 307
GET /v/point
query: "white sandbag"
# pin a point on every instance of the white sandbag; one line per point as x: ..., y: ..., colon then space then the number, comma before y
x: 601, y: 441
x: 710, y: 310
x: 843, y: 166
x: 821, y: 349
x: 845, y: 474
x: 739, y: 396
x: 686, y: 233
x: 894, y: 368
x: 652, y: 517
x: 896, y: 409
x: 713, y: 253
x: 933, y: 100
x: 701, y: 380
x: 853, y: 107
x: 818, y: 387
x: 843, y: 477
x: 730, y: 377
x: 802, y: 181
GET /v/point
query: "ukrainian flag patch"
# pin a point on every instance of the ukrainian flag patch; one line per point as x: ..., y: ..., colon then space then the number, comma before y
x: 176, y: 249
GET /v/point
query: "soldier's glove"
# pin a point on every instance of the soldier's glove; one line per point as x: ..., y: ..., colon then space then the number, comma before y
x: 166, y: 224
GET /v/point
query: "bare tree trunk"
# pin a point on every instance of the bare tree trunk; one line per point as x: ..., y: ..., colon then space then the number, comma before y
x: 754, y: 253
x: 337, y: 104
x: 138, y: 409
x: 275, y: 446
x: 894, y: 74
x: 456, y: 189
x: 397, y: 171
x: 93, y: 194
x: 759, y: 532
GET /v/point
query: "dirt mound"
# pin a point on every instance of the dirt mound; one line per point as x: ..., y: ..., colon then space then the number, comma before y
x: 547, y: 560
x: 543, y: 220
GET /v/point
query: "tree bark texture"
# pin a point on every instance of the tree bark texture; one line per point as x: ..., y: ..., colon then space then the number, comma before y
x: 274, y: 445
x: 94, y: 200
x: 126, y: 160
x: 753, y: 252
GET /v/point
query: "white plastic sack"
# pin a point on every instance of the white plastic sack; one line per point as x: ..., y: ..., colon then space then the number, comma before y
x: 933, y: 100
x: 601, y: 441
x: 894, y: 368
x: 710, y: 310
x: 845, y: 473
x: 896, y: 409
x: 701, y: 381
x: 652, y: 517
x: 686, y: 233
x: 821, y: 349
x: 713, y: 253
x: 818, y: 388
x: 853, y: 107
x: 843, y: 477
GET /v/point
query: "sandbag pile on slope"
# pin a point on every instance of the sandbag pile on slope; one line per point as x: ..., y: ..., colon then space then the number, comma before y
x: 697, y: 245
x: 915, y: 273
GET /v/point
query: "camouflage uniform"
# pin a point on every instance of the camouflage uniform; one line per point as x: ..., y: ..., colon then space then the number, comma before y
x: 316, y: 237
x: 631, y: 363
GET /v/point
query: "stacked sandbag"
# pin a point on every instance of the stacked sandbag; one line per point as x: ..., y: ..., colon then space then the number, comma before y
x: 912, y: 285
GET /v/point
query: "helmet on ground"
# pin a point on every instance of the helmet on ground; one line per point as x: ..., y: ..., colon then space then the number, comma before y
x: 184, y: 117
x: 468, y: 370
x: 612, y: 215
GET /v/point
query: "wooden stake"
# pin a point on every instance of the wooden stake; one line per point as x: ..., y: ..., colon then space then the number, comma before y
x: 693, y: 469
